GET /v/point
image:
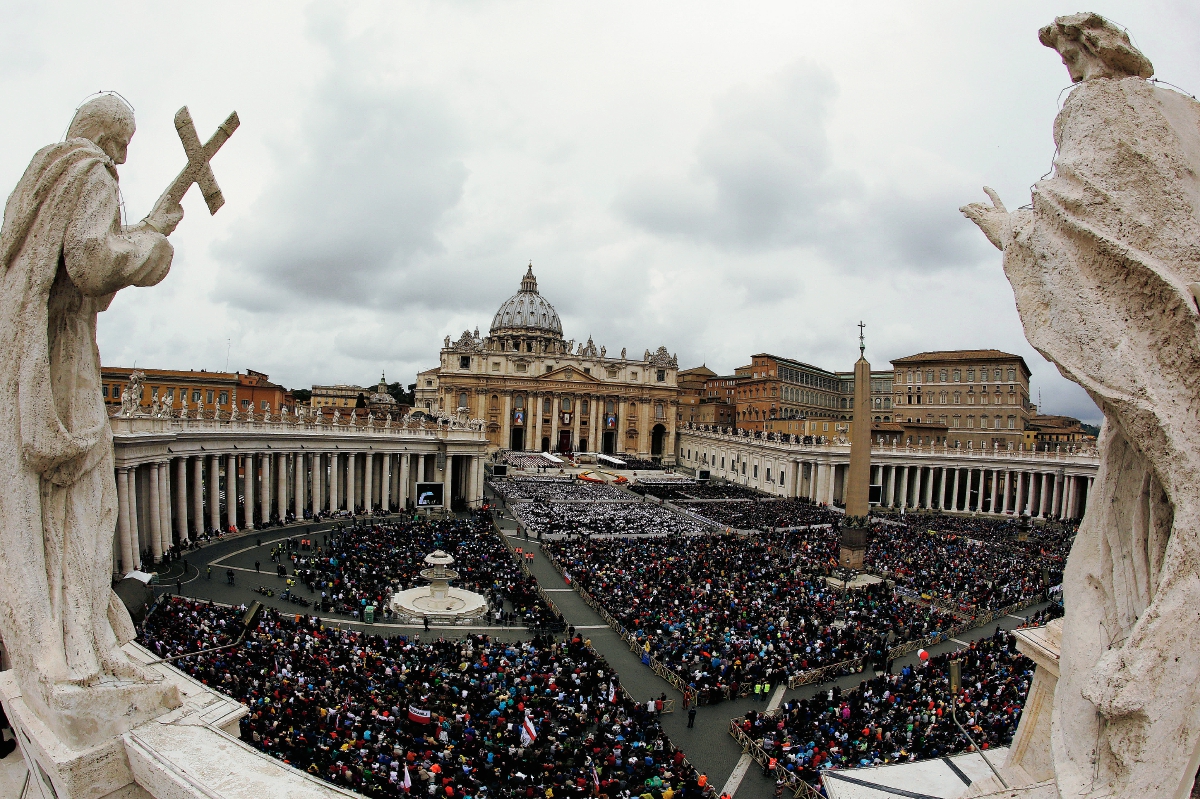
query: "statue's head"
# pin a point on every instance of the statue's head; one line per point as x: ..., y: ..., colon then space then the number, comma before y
x: 1093, y: 47
x: 107, y: 121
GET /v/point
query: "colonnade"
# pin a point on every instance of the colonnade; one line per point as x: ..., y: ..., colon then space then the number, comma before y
x: 1034, y: 492
x: 166, y: 501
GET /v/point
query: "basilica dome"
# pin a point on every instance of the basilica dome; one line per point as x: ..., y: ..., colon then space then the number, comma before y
x: 527, y: 312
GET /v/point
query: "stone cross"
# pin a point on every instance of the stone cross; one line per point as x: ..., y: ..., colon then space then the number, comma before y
x: 198, y: 169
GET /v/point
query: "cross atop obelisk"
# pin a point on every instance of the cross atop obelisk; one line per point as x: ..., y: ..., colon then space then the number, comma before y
x: 862, y: 342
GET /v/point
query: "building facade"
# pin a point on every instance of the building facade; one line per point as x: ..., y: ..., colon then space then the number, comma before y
x: 1001, y: 482
x: 786, y: 396
x: 196, y: 390
x: 980, y: 396
x: 178, y: 478
x: 536, y: 391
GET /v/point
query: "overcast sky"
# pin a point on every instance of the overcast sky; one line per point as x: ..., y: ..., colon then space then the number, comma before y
x: 719, y: 178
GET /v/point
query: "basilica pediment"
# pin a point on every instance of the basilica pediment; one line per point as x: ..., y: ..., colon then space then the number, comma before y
x: 570, y: 373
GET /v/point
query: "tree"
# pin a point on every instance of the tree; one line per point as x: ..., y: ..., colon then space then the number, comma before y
x: 400, y: 395
x: 302, y: 396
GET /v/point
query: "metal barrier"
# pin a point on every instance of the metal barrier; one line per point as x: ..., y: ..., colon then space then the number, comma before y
x: 673, y: 678
x: 799, y: 787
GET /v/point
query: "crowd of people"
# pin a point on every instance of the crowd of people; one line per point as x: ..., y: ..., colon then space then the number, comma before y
x: 519, y: 489
x: 690, y: 489
x: 727, y: 612
x: 764, y: 514
x: 392, y: 717
x: 896, y: 718
x: 526, y: 460
x: 367, y: 561
x: 970, y: 563
x: 552, y: 520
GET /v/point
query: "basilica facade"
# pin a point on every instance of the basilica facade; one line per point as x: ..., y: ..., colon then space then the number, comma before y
x: 537, y: 391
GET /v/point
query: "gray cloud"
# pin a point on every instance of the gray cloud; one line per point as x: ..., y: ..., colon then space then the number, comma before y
x: 363, y: 184
x: 764, y: 178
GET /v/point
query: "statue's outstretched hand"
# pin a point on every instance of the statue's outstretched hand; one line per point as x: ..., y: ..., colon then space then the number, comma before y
x: 164, y: 219
x: 991, y: 219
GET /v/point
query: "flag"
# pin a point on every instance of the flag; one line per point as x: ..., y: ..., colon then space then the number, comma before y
x: 528, y: 733
x: 407, y: 784
x: 418, y: 715
x: 595, y: 778
x: 612, y: 692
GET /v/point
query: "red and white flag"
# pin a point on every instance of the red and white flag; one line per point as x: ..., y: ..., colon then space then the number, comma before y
x: 528, y: 733
x: 612, y: 692
x: 407, y: 784
x: 418, y: 715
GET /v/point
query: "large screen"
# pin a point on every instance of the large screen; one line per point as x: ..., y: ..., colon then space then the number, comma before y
x: 875, y: 495
x: 500, y: 470
x: 431, y: 495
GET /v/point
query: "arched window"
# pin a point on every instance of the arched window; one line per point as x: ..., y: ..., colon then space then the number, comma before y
x: 566, y: 403
x: 462, y: 400
x: 583, y: 406
x: 608, y: 407
x: 547, y: 405
x: 942, y: 376
x: 660, y: 411
x: 495, y: 402
x: 518, y: 402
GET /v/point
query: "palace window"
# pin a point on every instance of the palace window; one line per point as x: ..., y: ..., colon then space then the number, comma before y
x: 245, y: 405
x: 462, y: 400
x: 957, y: 375
x: 518, y: 402
x: 957, y: 421
x: 608, y: 407
x: 633, y: 375
x: 464, y: 362
x: 224, y: 398
x: 971, y: 421
x: 1012, y: 423
x: 566, y: 403
x: 196, y: 395
x: 171, y: 395
x: 547, y: 405
x: 983, y: 422
x: 1012, y: 375
x: 929, y: 376
x: 154, y: 392
x: 583, y: 406
x: 942, y: 376
x: 522, y: 367
x: 587, y: 370
x: 266, y: 406
x: 970, y: 375
x: 495, y: 403
x: 768, y: 474
x: 529, y: 346
x: 495, y: 366
x: 661, y: 375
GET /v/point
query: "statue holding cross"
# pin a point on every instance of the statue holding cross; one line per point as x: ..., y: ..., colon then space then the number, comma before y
x: 64, y: 254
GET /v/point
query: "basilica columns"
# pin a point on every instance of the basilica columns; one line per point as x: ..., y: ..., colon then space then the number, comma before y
x: 335, y: 482
x: 368, y: 481
x: 129, y: 560
x: 351, y: 492
x: 181, y: 508
x: 385, y: 481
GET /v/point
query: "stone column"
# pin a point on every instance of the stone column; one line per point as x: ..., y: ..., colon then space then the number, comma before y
x: 335, y: 482
x: 181, y: 508
x: 124, y: 531
x: 351, y: 488
x: 1056, y: 500
x: 268, y: 487
x: 368, y: 480
x: 992, y: 507
x: 942, y: 500
x: 197, y: 496
x: 402, y: 474
x: 534, y: 423
x: 419, y: 477
x: 1019, y: 500
x: 231, y: 490
x: 318, y: 482
x: 928, y: 489
x: 1083, y: 508
x: 298, y: 481
x: 903, y: 500
x: 982, y: 475
x: 954, y: 491
x: 249, y: 479
x: 1005, y: 489
x: 385, y: 481
x: 505, y: 425
x: 891, y: 486
x: 1072, y: 494
x: 135, y: 537
x: 281, y: 484
x: 1041, y: 514
x: 155, y: 514
x: 164, y: 504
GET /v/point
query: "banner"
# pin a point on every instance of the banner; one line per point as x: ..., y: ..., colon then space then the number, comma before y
x: 418, y: 715
x: 528, y: 733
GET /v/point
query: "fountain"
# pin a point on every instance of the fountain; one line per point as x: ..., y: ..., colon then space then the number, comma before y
x: 440, y: 602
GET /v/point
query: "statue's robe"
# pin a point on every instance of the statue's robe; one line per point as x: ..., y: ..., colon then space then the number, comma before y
x: 1101, y: 266
x: 63, y: 255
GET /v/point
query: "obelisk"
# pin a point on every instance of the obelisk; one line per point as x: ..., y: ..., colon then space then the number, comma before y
x: 858, y: 479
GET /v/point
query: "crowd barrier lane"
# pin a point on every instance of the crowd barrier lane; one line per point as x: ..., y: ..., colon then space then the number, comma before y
x: 799, y: 787
x: 673, y: 678
x: 959, y: 629
x: 824, y: 673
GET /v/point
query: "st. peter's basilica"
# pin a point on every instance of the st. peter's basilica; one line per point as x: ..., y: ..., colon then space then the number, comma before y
x: 537, y: 391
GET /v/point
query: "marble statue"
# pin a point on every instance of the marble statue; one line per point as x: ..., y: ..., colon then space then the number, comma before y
x: 64, y: 253
x: 1104, y: 265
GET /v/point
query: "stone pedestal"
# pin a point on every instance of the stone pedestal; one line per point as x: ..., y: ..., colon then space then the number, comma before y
x: 1029, y: 764
x: 192, y: 752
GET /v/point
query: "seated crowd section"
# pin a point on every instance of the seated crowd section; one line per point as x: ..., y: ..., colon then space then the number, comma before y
x: 365, y: 562
x: 552, y: 520
x: 391, y: 717
x: 557, y: 489
x: 728, y: 612
x: 901, y: 717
